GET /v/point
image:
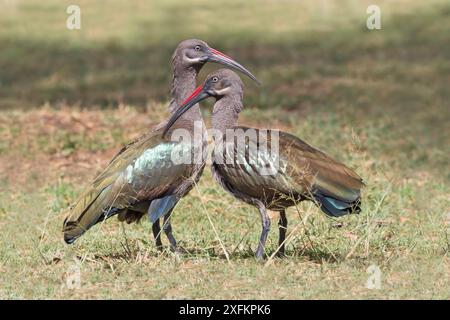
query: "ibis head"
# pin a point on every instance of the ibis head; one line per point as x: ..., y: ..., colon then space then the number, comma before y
x: 195, y: 53
x: 219, y: 84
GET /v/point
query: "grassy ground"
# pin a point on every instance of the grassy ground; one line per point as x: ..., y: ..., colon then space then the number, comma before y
x: 377, y: 100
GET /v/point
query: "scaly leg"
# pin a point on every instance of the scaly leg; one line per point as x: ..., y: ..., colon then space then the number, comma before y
x: 264, y: 233
x: 167, y: 227
x: 157, y: 234
x: 282, y: 226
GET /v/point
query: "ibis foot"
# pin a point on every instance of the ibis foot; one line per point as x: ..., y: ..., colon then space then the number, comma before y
x: 179, y: 250
x: 259, y: 254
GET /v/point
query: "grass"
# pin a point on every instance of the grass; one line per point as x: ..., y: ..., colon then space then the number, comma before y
x: 376, y: 100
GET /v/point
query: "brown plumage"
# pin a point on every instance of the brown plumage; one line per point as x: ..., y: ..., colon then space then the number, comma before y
x: 246, y: 164
x: 142, y: 178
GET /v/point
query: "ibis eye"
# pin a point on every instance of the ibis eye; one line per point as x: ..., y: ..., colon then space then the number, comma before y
x: 197, y: 48
x: 215, y: 79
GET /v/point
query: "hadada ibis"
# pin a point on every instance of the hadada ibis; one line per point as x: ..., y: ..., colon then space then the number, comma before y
x: 244, y: 164
x: 142, y: 178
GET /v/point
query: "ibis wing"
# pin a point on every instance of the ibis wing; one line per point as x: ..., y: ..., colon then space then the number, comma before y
x: 315, y: 170
x: 125, y: 156
x: 250, y: 166
x: 141, y: 171
x: 275, y: 160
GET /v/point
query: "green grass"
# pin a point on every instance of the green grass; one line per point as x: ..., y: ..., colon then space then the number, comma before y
x: 376, y: 100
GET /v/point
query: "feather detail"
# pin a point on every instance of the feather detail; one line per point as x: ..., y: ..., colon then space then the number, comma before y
x: 139, y: 173
x: 303, y: 172
x: 86, y: 212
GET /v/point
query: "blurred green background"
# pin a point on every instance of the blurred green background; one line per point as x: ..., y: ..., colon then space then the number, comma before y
x: 377, y: 100
x: 122, y: 52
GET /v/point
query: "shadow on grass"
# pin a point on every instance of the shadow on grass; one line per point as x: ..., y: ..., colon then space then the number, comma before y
x: 316, y: 256
x: 131, y: 253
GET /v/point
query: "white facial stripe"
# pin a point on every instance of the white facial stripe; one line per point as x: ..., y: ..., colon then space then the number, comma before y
x: 223, y: 91
x: 191, y: 60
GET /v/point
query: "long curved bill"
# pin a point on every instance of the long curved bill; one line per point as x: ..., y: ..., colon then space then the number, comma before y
x: 198, y: 95
x: 222, y: 58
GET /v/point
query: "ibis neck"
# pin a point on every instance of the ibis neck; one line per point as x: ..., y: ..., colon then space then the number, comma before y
x: 226, y: 112
x: 183, y: 84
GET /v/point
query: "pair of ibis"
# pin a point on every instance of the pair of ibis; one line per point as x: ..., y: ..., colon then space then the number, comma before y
x: 143, y: 178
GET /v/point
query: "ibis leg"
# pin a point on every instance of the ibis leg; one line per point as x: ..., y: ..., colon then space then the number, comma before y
x: 167, y: 227
x: 282, y: 226
x: 157, y: 234
x: 264, y: 233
